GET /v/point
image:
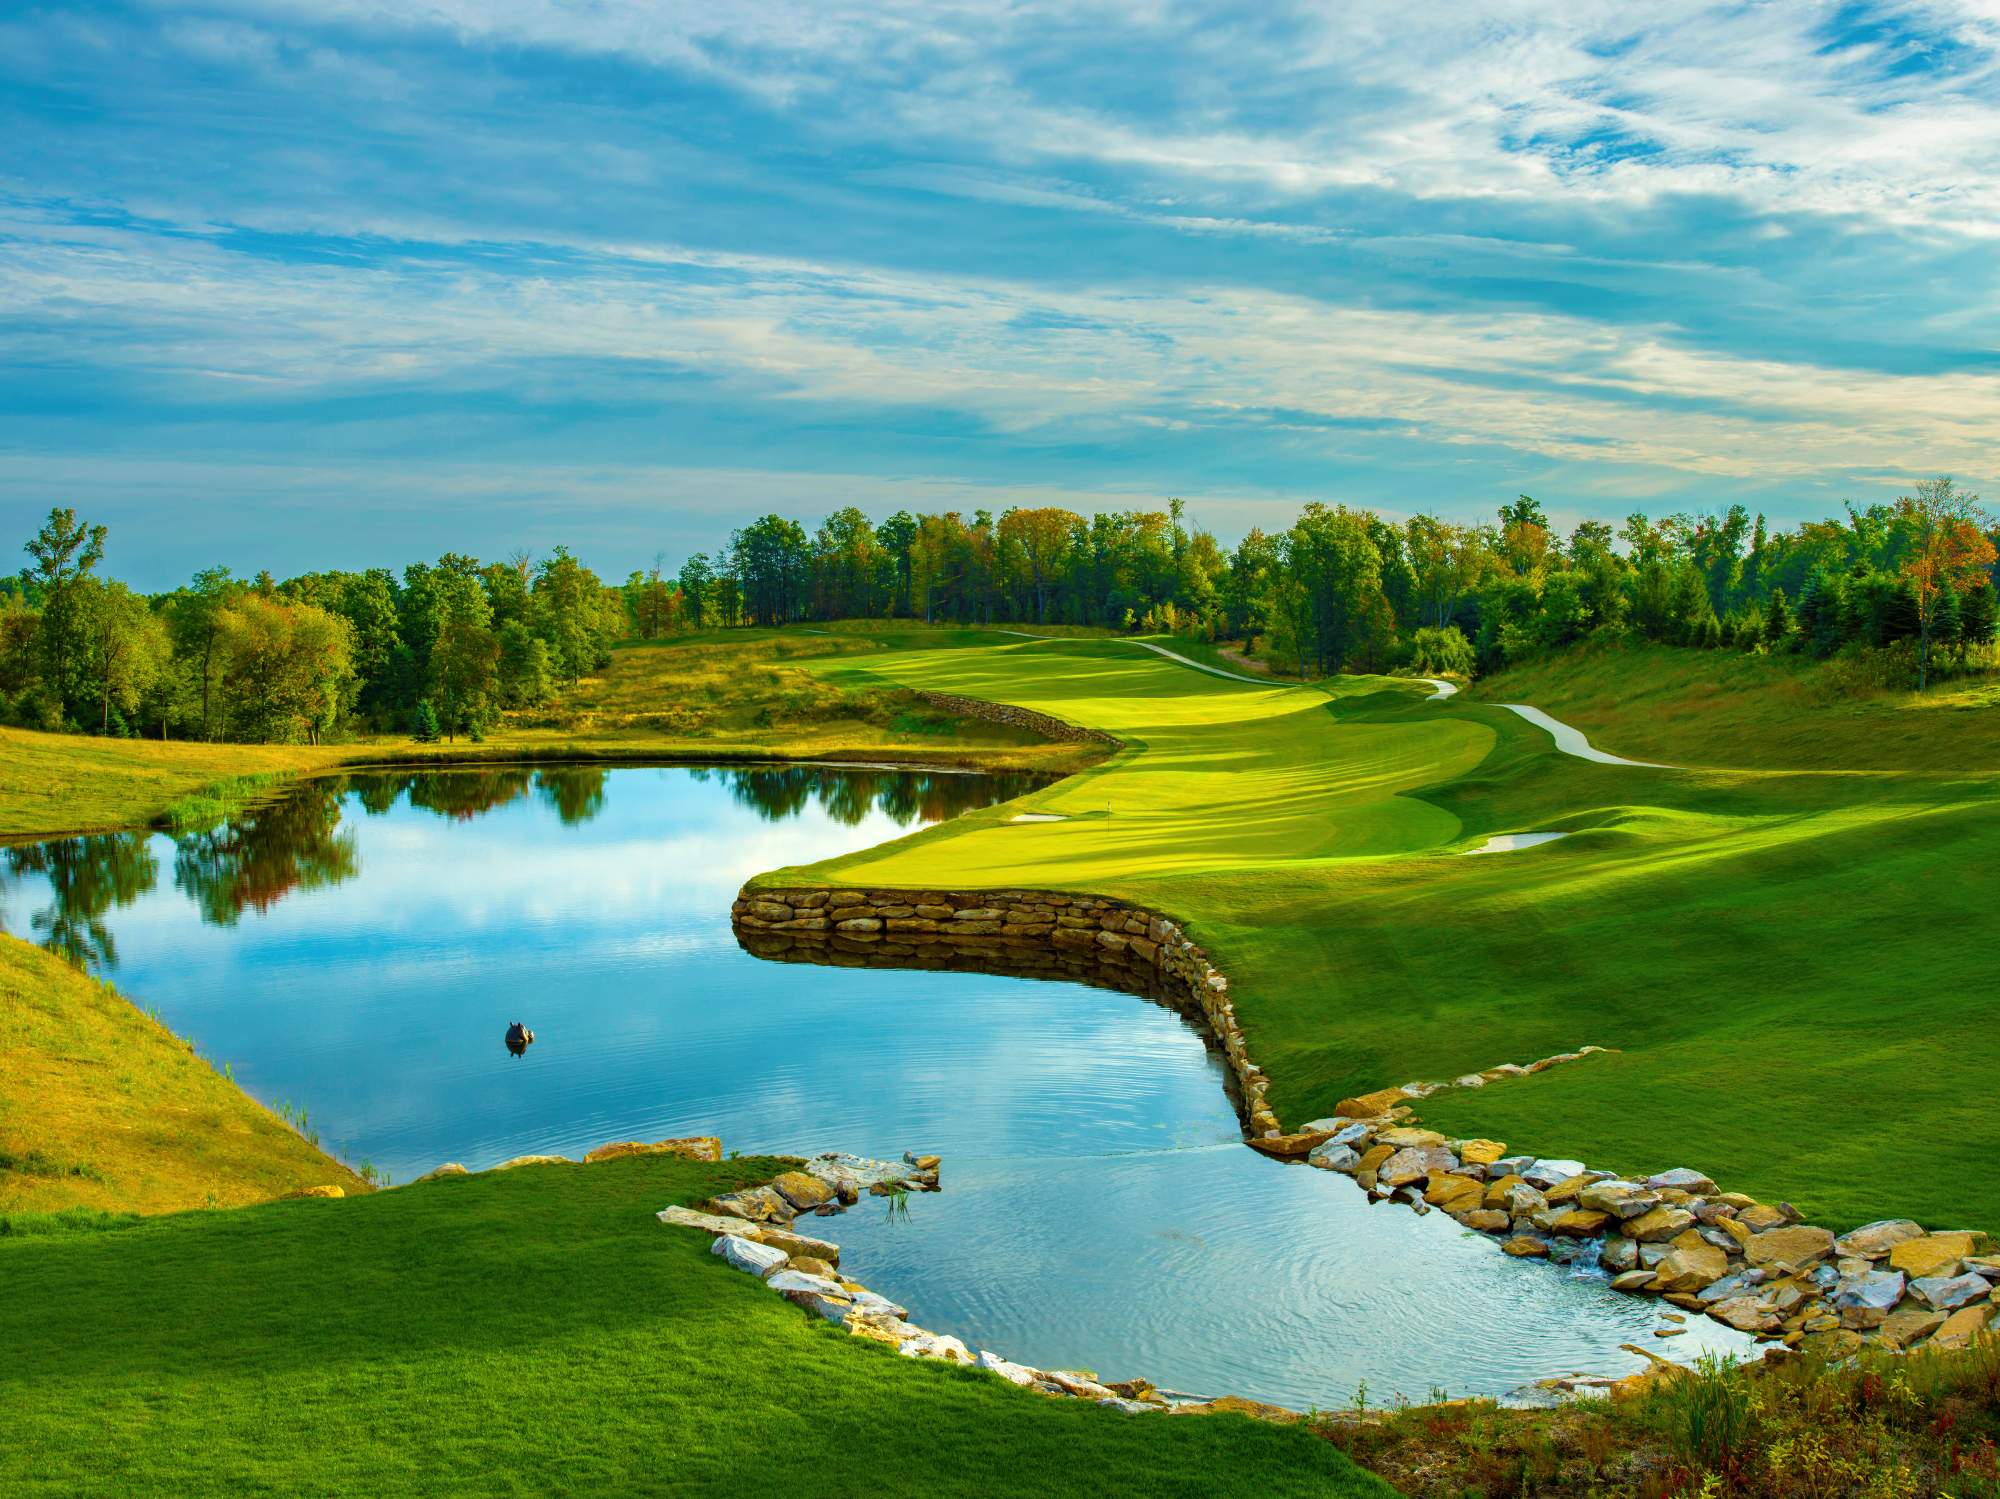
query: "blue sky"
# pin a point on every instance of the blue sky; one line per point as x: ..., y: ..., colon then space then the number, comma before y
x: 341, y: 282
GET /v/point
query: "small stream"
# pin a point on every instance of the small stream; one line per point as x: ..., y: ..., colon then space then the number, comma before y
x: 356, y: 951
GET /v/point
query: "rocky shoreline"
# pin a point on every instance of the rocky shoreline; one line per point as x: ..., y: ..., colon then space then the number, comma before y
x: 1673, y: 1234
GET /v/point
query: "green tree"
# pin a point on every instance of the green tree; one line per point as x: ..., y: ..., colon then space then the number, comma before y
x: 1777, y: 620
x: 1978, y: 614
x: 696, y: 579
x: 63, y: 554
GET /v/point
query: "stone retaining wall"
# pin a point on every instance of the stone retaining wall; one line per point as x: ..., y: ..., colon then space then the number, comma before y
x: 1046, y: 725
x: 1037, y: 933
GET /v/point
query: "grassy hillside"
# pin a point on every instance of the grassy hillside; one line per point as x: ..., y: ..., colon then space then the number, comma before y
x: 738, y: 694
x: 1778, y: 954
x: 1779, y: 713
x: 102, y: 1107
x: 529, y: 1332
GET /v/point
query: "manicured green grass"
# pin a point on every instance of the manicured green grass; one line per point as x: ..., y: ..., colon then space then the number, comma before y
x: 528, y: 1332
x: 1794, y: 965
x: 102, y: 1107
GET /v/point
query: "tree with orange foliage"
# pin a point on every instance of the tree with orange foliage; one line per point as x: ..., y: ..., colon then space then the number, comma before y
x: 1949, y: 550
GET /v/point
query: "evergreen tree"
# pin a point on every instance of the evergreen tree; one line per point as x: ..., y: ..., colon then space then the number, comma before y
x: 426, y: 730
x: 1777, y: 620
x: 1978, y: 613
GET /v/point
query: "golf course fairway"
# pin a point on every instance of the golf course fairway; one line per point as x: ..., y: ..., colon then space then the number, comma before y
x: 1786, y: 963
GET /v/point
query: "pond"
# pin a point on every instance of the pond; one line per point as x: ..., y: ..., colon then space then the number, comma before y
x: 355, y: 952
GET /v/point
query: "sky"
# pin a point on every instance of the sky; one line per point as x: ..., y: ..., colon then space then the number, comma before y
x: 312, y: 283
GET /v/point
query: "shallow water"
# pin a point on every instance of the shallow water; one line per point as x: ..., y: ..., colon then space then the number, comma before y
x: 357, y: 953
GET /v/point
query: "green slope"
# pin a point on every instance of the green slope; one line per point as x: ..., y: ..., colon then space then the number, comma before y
x: 528, y: 1332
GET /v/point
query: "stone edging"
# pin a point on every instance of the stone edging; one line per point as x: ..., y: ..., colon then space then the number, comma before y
x: 1047, y: 725
x: 1674, y: 1234
x: 1100, y: 941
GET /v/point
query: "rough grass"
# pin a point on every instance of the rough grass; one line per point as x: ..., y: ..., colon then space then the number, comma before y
x: 1783, y: 958
x: 102, y: 1107
x: 528, y: 1332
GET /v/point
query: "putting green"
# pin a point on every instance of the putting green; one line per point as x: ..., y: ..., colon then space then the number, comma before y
x: 1782, y: 958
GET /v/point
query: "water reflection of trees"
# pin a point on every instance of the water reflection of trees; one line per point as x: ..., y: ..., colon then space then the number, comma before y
x: 266, y: 854
x: 778, y: 792
x: 86, y: 878
x: 297, y: 843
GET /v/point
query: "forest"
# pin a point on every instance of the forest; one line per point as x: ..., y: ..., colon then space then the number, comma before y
x: 1902, y: 591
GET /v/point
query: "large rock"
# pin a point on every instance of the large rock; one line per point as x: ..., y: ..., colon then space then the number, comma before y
x: 1800, y: 1246
x: 1632, y: 1281
x: 748, y: 1255
x: 1486, y: 1220
x: 1524, y: 1248
x: 1947, y: 1293
x: 1866, y: 1300
x: 1579, y: 1223
x: 1621, y: 1199
x: 1909, y: 1323
x: 858, y: 1174
x: 1873, y: 1241
x: 1745, y: 1314
x: 1657, y: 1225
x: 1523, y: 1200
x: 1546, y: 1174
x: 1690, y: 1268
x: 1618, y: 1255
x: 1962, y: 1326
x: 1013, y: 1373
x: 939, y: 1345
x: 756, y: 1204
x: 1369, y: 1105
x: 535, y: 1160
x: 1291, y: 1147
x: 1933, y: 1255
x: 711, y: 1223
x: 1481, y: 1152
x: 1413, y: 1163
x: 1761, y: 1217
x: 1409, y: 1137
x: 1331, y: 1157
x: 798, y: 1245
x: 449, y: 1168
x: 802, y: 1190
x: 1681, y: 1179
x: 1455, y: 1194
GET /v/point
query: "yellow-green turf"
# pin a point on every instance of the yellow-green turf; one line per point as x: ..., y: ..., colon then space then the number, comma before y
x: 1795, y: 966
x: 529, y: 1332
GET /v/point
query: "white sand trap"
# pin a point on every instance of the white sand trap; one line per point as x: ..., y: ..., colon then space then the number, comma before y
x: 1038, y: 817
x: 1506, y: 843
x: 1571, y: 741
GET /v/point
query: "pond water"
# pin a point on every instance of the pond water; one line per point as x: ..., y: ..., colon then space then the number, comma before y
x: 357, y: 951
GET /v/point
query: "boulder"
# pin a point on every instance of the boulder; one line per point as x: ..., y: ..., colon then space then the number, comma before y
x: 1455, y: 1194
x: 1962, y: 1326
x: 1013, y: 1373
x: 801, y: 1190
x: 1741, y: 1283
x: 1524, y: 1248
x: 1546, y: 1174
x: 1480, y: 1152
x: 1402, y: 1137
x: 1745, y: 1314
x: 1681, y: 1179
x: 1866, y: 1300
x: 1413, y: 1163
x: 1947, y: 1293
x: 1621, y: 1199
x: 1369, y: 1105
x: 535, y: 1160
x: 1523, y: 1200
x: 1689, y: 1269
x: 712, y: 1223
x: 1510, y: 1165
x: 748, y: 1255
x: 1618, y: 1255
x: 1291, y: 1147
x: 1873, y: 1241
x: 1909, y: 1323
x: 1569, y: 1191
x: 1497, y: 1190
x: 807, y: 1264
x: 816, y: 1293
x: 449, y: 1168
x: 1760, y: 1217
x: 1657, y: 1225
x: 1339, y: 1158
x: 941, y: 1345
x: 1987, y: 1265
x: 1800, y: 1246
x: 1579, y: 1223
x: 1932, y: 1256
x: 1373, y: 1157
x: 757, y: 1204
x: 689, y: 1148
x: 1486, y: 1220
x: 1632, y: 1281
x: 793, y: 1243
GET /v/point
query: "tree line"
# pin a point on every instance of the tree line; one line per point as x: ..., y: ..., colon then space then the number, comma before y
x: 443, y: 648
x: 440, y: 650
